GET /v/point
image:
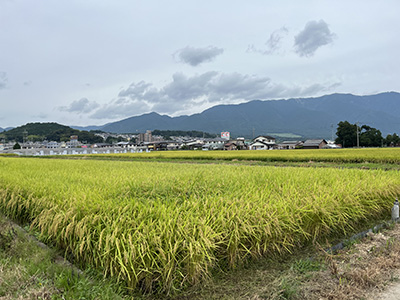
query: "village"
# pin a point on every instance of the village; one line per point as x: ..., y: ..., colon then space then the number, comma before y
x: 146, y: 142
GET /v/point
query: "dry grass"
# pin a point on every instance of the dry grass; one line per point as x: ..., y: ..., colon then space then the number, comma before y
x: 360, y: 272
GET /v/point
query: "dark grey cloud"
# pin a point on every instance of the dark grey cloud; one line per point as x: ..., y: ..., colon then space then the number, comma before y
x: 273, y: 44
x: 313, y: 36
x: 183, y: 88
x: 185, y: 93
x: 80, y: 106
x: 212, y: 86
x: 3, y: 80
x: 195, y: 56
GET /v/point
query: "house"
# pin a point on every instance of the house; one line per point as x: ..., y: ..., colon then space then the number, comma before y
x: 230, y: 146
x: 193, y: 145
x: 52, y: 145
x: 101, y: 145
x: 123, y: 144
x: 163, y: 145
x: 263, y: 142
x: 331, y: 146
x: 173, y: 145
x: 314, y: 144
x: 290, y: 145
x: 241, y: 143
x: 213, y: 146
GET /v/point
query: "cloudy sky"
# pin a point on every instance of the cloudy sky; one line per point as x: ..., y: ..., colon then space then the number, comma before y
x: 92, y: 62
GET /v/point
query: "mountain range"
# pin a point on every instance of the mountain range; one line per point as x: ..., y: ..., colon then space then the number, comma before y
x: 292, y: 118
x: 5, y: 129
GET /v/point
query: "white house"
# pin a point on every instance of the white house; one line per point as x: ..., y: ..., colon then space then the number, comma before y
x: 290, y: 144
x: 52, y: 145
x: 263, y: 142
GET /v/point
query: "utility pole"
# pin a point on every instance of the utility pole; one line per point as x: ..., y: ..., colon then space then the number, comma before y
x: 332, y: 132
x: 24, y: 136
x: 358, y: 138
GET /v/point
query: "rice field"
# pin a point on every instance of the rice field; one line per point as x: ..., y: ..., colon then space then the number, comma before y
x: 361, y: 155
x: 159, y: 227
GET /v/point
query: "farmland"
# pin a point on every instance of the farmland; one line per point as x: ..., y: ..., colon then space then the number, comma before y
x: 161, y: 227
x: 371, y: 155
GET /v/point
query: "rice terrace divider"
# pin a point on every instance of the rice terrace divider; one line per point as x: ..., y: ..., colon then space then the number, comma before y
x: 161, y: 227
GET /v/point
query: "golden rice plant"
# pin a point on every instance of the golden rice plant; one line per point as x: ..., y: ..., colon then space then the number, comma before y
x: 162, y: 226
x: 360, y: 155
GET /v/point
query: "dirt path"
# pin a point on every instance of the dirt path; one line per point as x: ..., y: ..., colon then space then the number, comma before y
x: 368, y: 269
x: 392, y: 293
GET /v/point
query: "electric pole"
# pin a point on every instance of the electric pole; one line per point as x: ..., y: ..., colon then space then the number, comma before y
x: 358, y: 138
x: 24, y: 136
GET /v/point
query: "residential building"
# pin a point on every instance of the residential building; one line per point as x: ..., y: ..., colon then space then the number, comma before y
x: 53, y: 145
x: 314, y: 144
x: 230, y: 146
x: 145, y: 137
x: 263, y: 142
x: 290, y: 145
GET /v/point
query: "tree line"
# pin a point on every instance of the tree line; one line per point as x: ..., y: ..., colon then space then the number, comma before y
x: 353, y: 135
x: 37, y: 132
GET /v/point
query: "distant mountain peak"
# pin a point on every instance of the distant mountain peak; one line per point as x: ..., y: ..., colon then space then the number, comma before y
x: 311, y: 117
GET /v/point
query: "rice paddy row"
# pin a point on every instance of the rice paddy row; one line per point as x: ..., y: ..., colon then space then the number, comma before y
x: 361, y: 155
x: 161, y: 227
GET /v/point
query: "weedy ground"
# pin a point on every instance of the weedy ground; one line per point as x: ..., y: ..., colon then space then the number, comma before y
x: 364, y: 268
x: 30, y: 270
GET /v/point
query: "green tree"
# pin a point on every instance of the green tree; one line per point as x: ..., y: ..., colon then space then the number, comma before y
x: 52, y: 132
x: 35, y: 138
x: 395, y: 139
x: 346, y: 134
x: 392, y: 140
x: 370, y: 137
x: 16, y: 146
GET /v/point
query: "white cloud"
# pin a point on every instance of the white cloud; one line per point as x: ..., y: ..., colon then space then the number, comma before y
x: 121, y: 108
x: 185, y: 93
x: 3, y: 80
x: 80, y: 106
x: 196, y: 56
x: 273, y: 44
x: 313, y: 36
